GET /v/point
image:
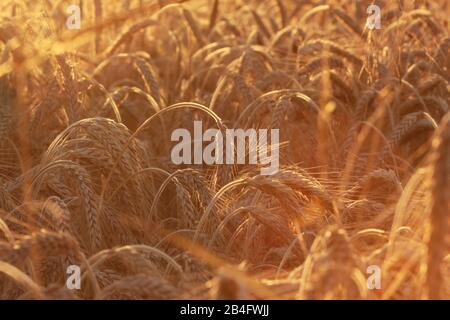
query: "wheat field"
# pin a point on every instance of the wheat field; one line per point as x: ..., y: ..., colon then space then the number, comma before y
x: 86, y: 114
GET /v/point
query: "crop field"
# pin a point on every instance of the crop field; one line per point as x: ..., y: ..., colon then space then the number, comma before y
x: 224, y: 149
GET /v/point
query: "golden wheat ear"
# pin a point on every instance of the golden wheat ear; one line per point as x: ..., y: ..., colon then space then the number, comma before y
x: 438, y: 244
